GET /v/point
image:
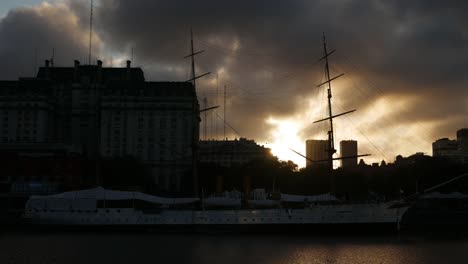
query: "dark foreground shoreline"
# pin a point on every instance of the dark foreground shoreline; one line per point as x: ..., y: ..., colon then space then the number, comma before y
x: 354, y: 230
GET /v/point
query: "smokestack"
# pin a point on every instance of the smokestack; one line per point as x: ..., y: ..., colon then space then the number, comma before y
x: 47, y: 66
x: 128, y: 69
x: 75, y: 74
x: 99, y: 71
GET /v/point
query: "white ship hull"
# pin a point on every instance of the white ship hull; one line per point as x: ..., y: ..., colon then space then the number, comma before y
x: 319, y: 215
x: 97, y: 207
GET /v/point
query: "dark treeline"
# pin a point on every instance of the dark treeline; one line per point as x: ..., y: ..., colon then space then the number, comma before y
x: 384, y: 181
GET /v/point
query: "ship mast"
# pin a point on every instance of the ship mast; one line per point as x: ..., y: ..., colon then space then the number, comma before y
x: 331, y: 139
x: 195, y: 134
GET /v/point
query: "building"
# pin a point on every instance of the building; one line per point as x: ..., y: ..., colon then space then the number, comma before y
x: 154, y: 121
x: 445, y: 147
x: 227, y: 153
x: 349, y: 148
x: 412, y: 159
x: 316, y: 150
x: 456, y: 150
x: 462, y: 140
x: 106, y: 112
x: 27, y: 111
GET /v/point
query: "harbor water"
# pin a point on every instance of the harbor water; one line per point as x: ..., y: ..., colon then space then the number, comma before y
x: 78, y: 247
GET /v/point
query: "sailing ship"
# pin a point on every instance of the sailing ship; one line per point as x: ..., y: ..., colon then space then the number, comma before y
x: 101, y: 207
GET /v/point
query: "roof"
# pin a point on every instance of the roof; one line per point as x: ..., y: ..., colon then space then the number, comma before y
x: 67, y: 74
x: 114, y: 79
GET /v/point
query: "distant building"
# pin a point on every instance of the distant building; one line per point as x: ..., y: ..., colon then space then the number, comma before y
x: 416, y: 157
x: 227, y: 153
x: 462, y: 140
x: 349, y: 148
x: 316, y: 150
x: 106, y: 112
x: 456, y: 150
x: 445, y: 147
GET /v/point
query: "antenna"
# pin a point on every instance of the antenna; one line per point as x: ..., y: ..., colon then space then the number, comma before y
x: 210, y: 132
x: 52, y: 58
x: 224, y: 118
x: 35, y: 60
x: 90, y: 31
x: 216, y: 103
x: 205, y: 118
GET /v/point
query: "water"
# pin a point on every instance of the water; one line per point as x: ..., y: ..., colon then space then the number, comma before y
x: 224, y: 248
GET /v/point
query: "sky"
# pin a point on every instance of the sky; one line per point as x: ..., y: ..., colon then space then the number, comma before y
x: 405, y: 62
x: 7, y: 5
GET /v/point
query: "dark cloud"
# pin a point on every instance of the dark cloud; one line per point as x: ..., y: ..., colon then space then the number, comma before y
x: 266, y: 53
x: 28, y: 36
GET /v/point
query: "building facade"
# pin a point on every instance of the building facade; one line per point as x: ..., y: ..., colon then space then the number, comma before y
x: 349, y: 148
x: 106, y: 112
x: 27, y: 111
x: 456, y: 150
x: 316, y: 150
x: 227, y: 153
x: 445, y: 147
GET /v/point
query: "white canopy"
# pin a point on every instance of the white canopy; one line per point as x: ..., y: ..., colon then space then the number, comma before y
x: 232, y: 198
x: 221, y: 201
x: 303, y: 198
x: 100, y: 193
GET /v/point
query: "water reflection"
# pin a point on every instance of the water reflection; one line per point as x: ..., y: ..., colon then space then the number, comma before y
x: 226, y: 249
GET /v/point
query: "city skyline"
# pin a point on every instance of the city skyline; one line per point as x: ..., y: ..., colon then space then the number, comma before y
x: 408, y: 93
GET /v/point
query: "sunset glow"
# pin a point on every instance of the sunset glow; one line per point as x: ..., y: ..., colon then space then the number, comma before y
x: 369, y: 126
x: 285, y: 136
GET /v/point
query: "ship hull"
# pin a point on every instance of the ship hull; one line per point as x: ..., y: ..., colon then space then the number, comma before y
x: 300, y: 229
x: 327, y: 219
